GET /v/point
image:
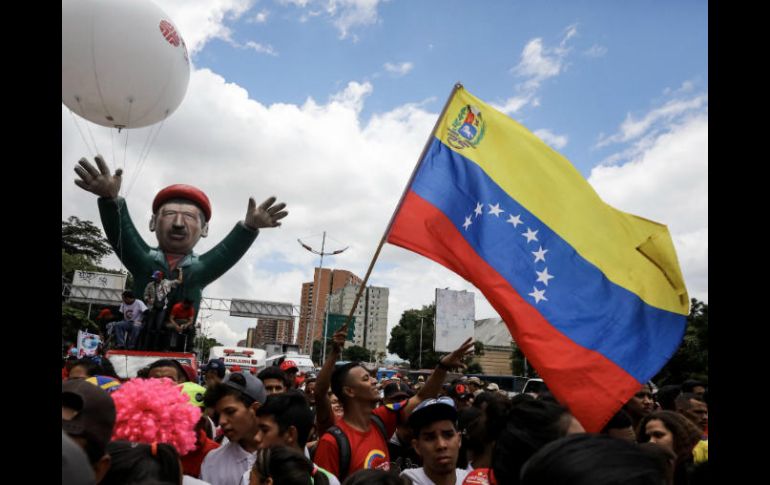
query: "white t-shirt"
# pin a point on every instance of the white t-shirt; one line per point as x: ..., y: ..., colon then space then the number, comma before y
x: 133, y: 312
x: 418, y: 476
x: 226, y: 464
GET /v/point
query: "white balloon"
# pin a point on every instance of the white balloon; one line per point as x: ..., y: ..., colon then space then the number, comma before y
x: 123, y: 62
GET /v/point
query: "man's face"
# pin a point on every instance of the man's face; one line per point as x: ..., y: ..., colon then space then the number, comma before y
x: 212, y: 378
x: 268, y: 433
x: 274, y: 386
x: 438, y: 444
x: 170, y: 372
x: 362, y: 384
x: 641, y: 404
x: 179, y: 226
x: 238, y: 422
x: 698, y: 413
x: 699, y: 391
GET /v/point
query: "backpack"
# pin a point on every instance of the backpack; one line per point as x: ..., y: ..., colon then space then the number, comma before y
x: 343, y: 444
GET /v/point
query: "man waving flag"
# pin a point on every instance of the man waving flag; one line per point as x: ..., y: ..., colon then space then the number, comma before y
x: 592, y: 295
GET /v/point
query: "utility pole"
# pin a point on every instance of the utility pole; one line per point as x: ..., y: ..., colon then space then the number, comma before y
x: 317, y: 283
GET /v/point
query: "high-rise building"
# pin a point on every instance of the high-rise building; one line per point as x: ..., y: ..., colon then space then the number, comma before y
x: 313, y: 303
x: 371, y: 324
x: 272, y: 330
x: 251, y: 337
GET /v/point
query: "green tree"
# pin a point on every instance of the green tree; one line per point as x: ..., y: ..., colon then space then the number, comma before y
x: 691, y: 359
x: 84, y: 238
x: 405, y: 338
x: 356, y: 353
x: 205, y: 344
x: 83, y: 247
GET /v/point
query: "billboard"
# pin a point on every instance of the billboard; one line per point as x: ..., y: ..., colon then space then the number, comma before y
x: 100, y: 288
x: 455, y: 314
x: 336, y: 321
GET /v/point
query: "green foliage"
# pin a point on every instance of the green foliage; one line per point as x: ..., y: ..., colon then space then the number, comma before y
x: 74, y: 318
x: 205, y: 344
x: 474, y: 368
x: 405, y: 338
x: 83, y: 238
x: 691, y: 359
x: 356, y: 353
x: 83, y: 247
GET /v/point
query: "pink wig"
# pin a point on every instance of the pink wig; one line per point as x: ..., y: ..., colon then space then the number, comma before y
x: 150, y: 410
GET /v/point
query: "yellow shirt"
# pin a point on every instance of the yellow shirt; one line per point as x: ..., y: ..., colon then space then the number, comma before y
x: 701, y: 451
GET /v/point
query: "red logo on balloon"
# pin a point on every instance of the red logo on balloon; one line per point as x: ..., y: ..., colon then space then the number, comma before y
x: 169, y: 32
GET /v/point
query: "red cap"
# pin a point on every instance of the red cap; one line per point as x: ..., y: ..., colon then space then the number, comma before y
x: 288, y: 364
x: 182, y: 191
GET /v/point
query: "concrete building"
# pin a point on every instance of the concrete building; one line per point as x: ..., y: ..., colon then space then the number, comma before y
x: 496, y: 337
x: 313, y: 302
x: 270, y: 331
x: 371, y: 315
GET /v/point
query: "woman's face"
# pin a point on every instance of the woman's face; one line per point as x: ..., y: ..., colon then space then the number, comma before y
x: 336, y: 406
x: 659, y: 434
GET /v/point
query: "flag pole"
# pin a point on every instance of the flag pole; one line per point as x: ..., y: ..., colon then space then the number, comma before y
x: 455, y: 88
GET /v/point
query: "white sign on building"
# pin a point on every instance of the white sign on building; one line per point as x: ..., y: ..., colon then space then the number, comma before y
x: 455, y: 314
x: 100, y: 288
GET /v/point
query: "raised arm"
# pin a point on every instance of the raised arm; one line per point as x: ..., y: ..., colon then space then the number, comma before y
x: 324, y: 415
x: 433, y: 384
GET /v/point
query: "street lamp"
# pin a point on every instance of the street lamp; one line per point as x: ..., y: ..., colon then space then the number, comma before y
x: 318, y: 293
x: 420, y: 353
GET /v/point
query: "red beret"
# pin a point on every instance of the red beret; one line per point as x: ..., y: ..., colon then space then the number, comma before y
x: 182, y: 191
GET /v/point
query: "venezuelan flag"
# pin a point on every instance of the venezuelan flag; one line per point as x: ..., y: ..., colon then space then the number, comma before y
x: 592, y: 295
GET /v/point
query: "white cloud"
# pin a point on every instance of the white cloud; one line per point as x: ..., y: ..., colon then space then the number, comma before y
x: 667, y: 181
x: 261, y: 48
x: 221, y: 331
x: 557, y: 142
x: 596, y: 51
x: 673, y: 110
x: 513, y: 105
x: 202, y: 20
x: 260, y: 17
x: 348, y: 14
x: 398, y: 69
x: 538, y: 63
x: 345, y: 15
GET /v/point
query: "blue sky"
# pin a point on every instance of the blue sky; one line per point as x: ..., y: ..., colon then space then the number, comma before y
x: 327, y: 103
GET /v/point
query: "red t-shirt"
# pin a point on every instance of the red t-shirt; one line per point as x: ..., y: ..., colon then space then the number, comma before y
x: 191, y: 462
x: 367, y: 449
x: 180, y: 312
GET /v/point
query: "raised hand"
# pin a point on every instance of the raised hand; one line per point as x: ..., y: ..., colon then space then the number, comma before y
x: 100, y: 182
x: 264, y: 215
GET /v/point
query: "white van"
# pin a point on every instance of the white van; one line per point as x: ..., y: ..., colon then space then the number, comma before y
x: 246, y: 358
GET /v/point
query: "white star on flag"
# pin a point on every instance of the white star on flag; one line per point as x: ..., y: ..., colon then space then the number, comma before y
x: 540, y: 254
x: 515, y: 220
x: 467, y: 223
x: 530, y: 235
x: 495, y: 210
x: 538, y: 294
x: 479, y: 205
x: 543, y: 276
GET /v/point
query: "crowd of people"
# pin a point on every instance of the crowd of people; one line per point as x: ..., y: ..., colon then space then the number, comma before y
x: 225, y: 427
